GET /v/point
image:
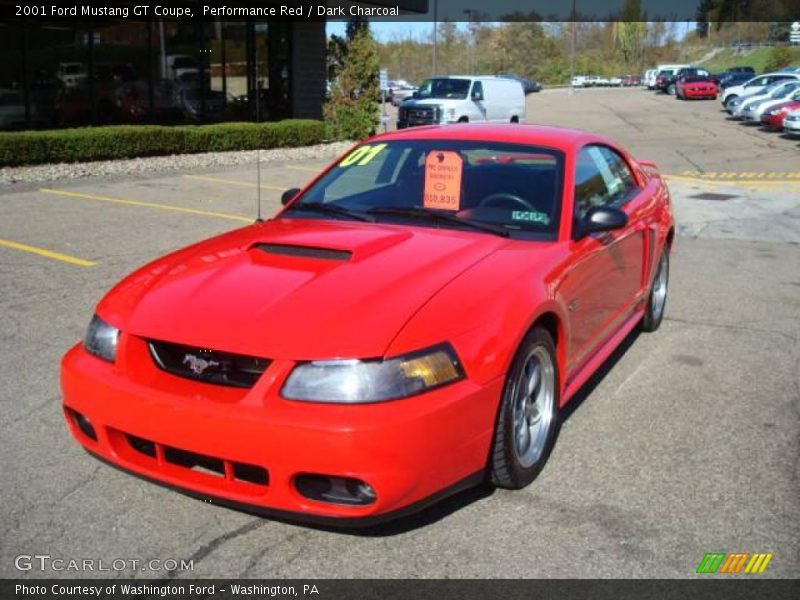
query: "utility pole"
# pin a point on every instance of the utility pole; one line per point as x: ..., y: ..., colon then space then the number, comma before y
x: 572, y: 50
x: 435, y: 28
x: 471, y: 14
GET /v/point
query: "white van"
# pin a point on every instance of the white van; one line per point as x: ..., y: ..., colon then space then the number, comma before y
x: 464, y: 99
x: 649, y: 79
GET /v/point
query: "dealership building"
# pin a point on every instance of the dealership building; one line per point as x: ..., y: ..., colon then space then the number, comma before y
x: 107, y: 69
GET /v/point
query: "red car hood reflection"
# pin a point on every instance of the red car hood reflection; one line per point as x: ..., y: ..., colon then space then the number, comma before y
x: 297, y: 289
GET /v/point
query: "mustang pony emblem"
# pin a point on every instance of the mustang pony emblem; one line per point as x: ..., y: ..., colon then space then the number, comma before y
x: 197, y: 364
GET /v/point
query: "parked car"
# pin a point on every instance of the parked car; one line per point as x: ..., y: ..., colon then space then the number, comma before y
x: 649, y: 79
x: 670, y: 84
x: 733, y: 70
x: 774, y: 117
x: 399, y: 91
x: 755, y: 85
x: 579, y: 81
x: 631, y: 81
x: 180, y: 67
x: 776, y: 91
x: 464, y: 99
x: 731, y: 79
x: 12, y: 109
x: 406, y: 327
x: 753, y: 111
x: 71, y: 74
x: 615, y: 81
x: 791, y: 124
x: 201, y: 105
x: 695, y: 86
x: 665, y: 71
x: 528, y: 85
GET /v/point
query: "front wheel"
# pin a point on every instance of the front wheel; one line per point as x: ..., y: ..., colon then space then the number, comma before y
x: 658, y: 295
x: 527, y: 421
x: 671, y: 89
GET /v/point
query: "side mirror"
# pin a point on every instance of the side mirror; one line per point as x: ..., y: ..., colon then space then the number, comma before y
x: 288, y: 195
x: 602, y: 218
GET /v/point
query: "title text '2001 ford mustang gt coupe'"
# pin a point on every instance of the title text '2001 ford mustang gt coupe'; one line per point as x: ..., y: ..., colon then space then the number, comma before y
x: 409, y: 324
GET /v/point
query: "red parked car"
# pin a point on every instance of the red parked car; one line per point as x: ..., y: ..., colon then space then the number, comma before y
x: 411, y: 323
x: 688, y: 88
x: 773, y: 118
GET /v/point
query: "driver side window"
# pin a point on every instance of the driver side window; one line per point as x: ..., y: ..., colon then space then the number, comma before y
x: 602, y: 178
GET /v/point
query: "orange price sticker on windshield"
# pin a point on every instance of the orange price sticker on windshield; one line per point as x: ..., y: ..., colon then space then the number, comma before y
x: 443, y: 180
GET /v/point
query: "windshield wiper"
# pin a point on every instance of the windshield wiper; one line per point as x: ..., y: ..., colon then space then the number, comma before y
x: 428, y: 215
x: 329, y: 209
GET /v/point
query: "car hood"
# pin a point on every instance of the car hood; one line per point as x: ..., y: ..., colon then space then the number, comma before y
x: 299, y: 289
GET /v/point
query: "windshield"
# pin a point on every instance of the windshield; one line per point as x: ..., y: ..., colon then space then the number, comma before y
x: 444, y: 88
x: 517, y: 188
x: 784, y: 89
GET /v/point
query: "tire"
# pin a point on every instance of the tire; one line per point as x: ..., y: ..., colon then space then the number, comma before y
x: 515, y: 119
x: 657, y: 299
x: 527, y: 420
x: 463, y: 120
x: 671, y: 89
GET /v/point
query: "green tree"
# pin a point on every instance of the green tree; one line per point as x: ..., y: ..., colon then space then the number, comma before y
x: 352, y: 109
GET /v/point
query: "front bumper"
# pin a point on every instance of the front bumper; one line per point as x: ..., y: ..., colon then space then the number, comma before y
x: 410, y: 451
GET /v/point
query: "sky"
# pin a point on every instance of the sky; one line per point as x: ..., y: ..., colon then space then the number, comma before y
x: 386, y: 31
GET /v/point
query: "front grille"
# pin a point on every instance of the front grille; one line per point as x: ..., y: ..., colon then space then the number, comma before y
x: 201, y: 463
x: 418, y: 115
x: 208, y: 366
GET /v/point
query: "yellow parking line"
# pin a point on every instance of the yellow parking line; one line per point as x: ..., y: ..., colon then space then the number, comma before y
x: 235, y: 182
x: 193, y: 211
x: 47, y: 253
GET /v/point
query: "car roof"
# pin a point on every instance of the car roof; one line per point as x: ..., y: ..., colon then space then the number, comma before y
x: 561, y: 138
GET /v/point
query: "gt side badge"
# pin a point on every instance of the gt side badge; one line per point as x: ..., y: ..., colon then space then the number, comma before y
x: 442, y: 180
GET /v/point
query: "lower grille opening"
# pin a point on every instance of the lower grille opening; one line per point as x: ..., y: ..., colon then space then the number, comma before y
x: 83, y: 423
x: 201, y: 463
x: 335, y: 490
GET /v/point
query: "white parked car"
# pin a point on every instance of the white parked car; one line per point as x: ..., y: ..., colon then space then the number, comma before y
x: 578, y: 81
x: 71, y: 74
x: 615, y: 81
x: 755, y: 85
x: 791, y: 124
x: 462, y: 99
x: 754, y: 112
x: 738, y: 105
x: 649, y: 79
x: 750, y: 108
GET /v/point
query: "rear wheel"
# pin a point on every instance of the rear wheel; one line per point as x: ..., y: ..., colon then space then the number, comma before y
x: 658, y: 295
x: 515, y: 119
x: 463, y: 120
x: 527, y: 421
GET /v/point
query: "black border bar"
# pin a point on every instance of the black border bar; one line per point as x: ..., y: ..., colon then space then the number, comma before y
x: 416, y: 10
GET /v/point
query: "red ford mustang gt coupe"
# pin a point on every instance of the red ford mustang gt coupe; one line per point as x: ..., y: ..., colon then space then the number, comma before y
x: 410, y: 324
x: 696, y: 87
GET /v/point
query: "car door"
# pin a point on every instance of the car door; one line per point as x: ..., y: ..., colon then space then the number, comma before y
x: 606, y: 278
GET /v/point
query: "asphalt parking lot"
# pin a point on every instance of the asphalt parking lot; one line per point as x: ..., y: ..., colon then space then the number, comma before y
x: 687, y: 443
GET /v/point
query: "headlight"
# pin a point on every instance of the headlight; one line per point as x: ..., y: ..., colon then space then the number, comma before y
x: 357, y: 381
x: 101, y: 339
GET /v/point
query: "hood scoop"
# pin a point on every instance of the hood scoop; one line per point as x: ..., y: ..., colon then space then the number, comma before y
x: 305, y: 251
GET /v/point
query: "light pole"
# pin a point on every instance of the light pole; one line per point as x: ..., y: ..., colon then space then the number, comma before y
x: 435, y: 27
x: 471, y: 14
x: 572, y: 51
